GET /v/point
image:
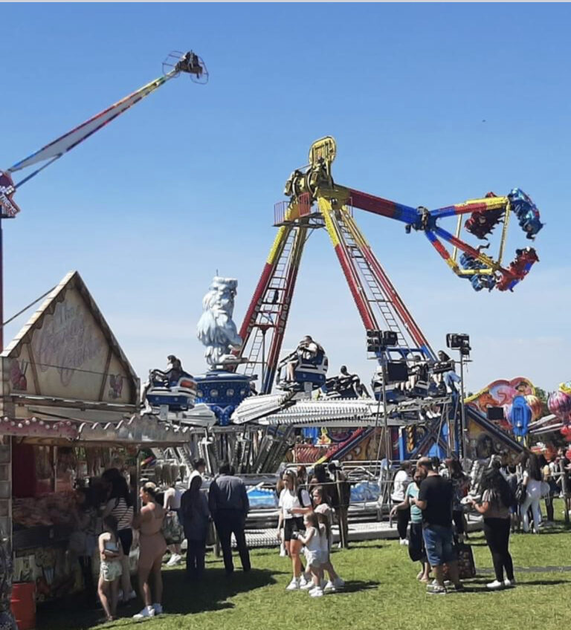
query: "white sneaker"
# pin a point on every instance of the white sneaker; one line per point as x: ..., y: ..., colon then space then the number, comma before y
x: 509, y: 583
x: 306, y: 586
x: 495, y: 585
x: 404, y: 541
x: 329, y: 587
x: 174, y: 560
x: 158, y: 609
x: 316, y: 592
x: 147, y: 612
x: 294, y: 585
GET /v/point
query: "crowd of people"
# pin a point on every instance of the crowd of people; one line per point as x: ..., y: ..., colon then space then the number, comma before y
x: 430, y: 501
x: 108, y: 524
x: 435, y: 496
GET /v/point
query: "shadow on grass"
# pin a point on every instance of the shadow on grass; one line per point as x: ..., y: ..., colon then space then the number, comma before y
x: 180, y: 597
x: 354, y: 586
x: 212, y: 593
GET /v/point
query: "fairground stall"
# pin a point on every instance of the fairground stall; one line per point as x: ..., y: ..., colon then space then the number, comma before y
x: 69, y: 410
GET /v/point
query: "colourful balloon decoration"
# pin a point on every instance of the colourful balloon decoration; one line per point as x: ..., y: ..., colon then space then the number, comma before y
x: 559, y: 403
x: 535, y: 405
x: 566, y: 432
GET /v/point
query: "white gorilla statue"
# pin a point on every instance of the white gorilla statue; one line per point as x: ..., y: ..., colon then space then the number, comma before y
x: 215, y: 329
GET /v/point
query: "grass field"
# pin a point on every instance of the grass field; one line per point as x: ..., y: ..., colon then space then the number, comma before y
x: 381, y: 592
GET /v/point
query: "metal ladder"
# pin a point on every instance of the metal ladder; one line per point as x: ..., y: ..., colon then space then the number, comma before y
x: 269, y: 309
x: 371, y: 282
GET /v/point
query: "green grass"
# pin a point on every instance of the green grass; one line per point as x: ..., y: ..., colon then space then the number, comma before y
x: 381, y: 592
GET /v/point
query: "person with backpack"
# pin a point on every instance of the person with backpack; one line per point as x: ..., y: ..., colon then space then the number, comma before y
x: 495, y: 505
x: 294, y: 503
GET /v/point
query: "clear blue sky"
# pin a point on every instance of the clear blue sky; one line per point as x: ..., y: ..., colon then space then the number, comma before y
x: 184, y: 184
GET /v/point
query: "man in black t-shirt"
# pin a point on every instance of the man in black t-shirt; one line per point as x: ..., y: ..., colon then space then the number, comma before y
x: 435, y: 501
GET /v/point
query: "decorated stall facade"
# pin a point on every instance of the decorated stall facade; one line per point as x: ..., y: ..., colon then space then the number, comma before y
x: 69, y: 409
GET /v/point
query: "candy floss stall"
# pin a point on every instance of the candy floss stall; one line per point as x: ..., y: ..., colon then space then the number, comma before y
x: 68, y: 410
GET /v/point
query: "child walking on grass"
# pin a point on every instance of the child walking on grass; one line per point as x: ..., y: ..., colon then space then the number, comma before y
x: 111, y: 554
x: 315, y: 542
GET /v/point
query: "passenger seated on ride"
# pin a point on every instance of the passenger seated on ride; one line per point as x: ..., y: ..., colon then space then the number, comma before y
x: 308, y: 351
x: 444, y: 372
x: 418, y: 372
x: 189, y: 62
x: 171, y: 376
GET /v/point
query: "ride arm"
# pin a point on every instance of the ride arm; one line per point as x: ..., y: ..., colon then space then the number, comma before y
x: 383, y: 207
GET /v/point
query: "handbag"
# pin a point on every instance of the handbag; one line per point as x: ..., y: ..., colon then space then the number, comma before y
x: 172, y: 529
x: 466, y: 564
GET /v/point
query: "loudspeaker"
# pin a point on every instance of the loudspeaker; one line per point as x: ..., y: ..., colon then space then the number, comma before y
x: 495, y: 413
x: 397, y: 372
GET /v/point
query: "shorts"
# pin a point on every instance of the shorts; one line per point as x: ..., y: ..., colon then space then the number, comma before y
x: 110, y: 570
x: 439, y: 544
x: 315, y: 558
x: 416, y: 549
x: 293, y: 525
x: 126, y: 538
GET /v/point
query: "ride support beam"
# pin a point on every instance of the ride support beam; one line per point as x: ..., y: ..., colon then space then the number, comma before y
x: 263, y: 284
x: 283, y: 314
x: 383, y: 207
x: 352, y: 277
x: 390, y: 292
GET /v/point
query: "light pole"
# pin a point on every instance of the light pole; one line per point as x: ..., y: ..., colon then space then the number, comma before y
x: 461, y: 342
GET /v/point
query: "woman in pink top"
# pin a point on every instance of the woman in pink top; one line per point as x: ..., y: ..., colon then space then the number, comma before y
x: 152, y: 547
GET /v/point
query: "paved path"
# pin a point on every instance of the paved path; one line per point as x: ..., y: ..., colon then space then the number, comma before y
x: 383, y: 530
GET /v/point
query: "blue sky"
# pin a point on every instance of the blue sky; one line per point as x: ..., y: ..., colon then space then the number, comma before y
x: 184, y: 183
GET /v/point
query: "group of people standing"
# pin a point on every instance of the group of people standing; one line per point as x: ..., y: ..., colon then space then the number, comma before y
x: 434, y: 501
x: 304, y: 528
x: 109, y: 524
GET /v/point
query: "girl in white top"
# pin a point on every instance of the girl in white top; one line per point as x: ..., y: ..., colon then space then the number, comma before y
x: 294, y: 502
x: 316, y: 550
x: 323, y: 512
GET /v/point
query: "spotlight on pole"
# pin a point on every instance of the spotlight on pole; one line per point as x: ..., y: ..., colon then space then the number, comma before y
x: 459, y: 341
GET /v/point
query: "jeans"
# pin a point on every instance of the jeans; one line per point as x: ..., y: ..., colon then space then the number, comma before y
x: 230, y: 522
x: 439, y: 544
x: 497, y: 533
x: 531, y: 500
x: 195, y: 558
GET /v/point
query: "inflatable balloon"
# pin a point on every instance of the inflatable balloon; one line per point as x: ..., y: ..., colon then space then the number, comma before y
x: 535, y: 405
x: 565, y: 387
x: 559, y: 403
x: 566, y: 432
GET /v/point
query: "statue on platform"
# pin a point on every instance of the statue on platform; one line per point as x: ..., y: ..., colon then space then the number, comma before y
x: 215, y: 329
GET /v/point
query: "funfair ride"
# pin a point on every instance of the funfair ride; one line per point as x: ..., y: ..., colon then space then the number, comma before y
x: 316, y: 201
x: 175, y: 64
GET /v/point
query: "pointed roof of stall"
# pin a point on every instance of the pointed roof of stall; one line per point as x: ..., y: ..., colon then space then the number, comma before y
x: 67, y: 350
